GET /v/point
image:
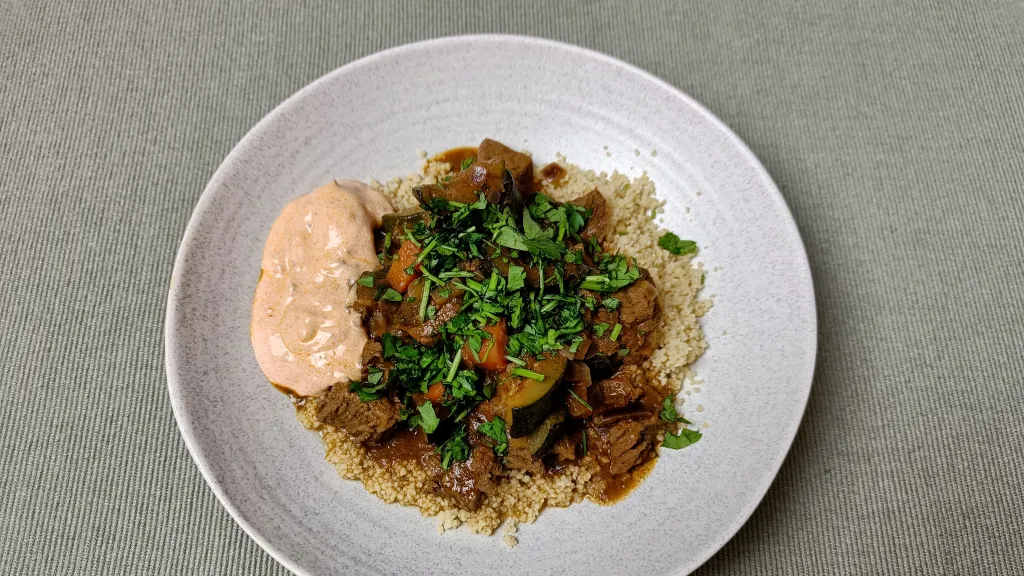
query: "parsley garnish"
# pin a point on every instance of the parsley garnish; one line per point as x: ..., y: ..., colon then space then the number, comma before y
x: 600, y: 329
x: 495, y: 430
x: 681, y: 440
x: 365, y: 280
x: 454, y: 449
x: 391, y: 295
x: 528, y: 374
x: 428, y: 419
x: 618, y: 272
x: 668, y: 412
x: 669, y: 241
x: 467, y: 162
x: 615, y: 332
x: 611, y: 303
x: 372, y: 388
x: 425, y: 298
x: 516, y: 277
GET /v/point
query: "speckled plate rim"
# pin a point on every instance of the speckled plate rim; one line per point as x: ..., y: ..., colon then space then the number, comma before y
x: 171, y: 318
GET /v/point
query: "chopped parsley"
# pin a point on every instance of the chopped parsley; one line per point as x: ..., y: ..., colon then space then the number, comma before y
x: 516, y: 277
x: 467, y: 162
x: 617, y: 272
x: 668, y: 411
x: 681, y: 440
x: 528, y: 374
x: 454, y: 449
x: 611, y: 303
x: 428, y: 420
x: 391, y: 295
x: 365, y: 280
x: 669, y: 241
x: 599, y: 329
x: 372, y: 388
x: 425, y: 298
x: 495, y: 430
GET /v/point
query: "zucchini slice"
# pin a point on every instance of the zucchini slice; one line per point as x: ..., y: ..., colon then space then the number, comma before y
x: 545, y: 436
x: 534, y: 400
x: 392, y: 223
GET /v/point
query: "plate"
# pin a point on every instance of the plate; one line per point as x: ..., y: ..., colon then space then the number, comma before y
x: 367, y: 120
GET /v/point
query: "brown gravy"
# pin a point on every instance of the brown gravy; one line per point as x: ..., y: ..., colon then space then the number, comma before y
x: 618, y: 487
x: 404, y: 446
x: 456, y: 156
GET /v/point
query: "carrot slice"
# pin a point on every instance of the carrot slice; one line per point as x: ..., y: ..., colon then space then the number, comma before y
x: 435, y: 392
x: 397, y: 276
x: 492, y: 350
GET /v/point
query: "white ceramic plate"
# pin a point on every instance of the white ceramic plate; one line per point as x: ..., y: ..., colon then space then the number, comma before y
x: 366, y: 120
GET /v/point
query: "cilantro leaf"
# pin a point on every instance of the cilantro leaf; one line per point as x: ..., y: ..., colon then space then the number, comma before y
x: 516, y: 277
x: 681, y: 440
x: 464, y: 384
x: 428, y: 419
x: 454, y: 449
x: 373, y: 388
x: 545, y: 247
x: 391, y: 295
x: 510, y: 238
x: 668, y: 411
x: 366, y: 280
x: 495, y: 430
x: 611, y: 303
x: 600, y: 329
x: 530, y: 227
x: 669, y: 241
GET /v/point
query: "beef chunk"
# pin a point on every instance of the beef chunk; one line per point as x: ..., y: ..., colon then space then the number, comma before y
x: 639, y: 414
x: 599, y: 223
x: 639, y: 302
x: 577, y: 377
x: 640, y: 315
x: 364, y: 421
x: 426, y: 333
x: 627, y: 446
x: 485, y: 467
x: 519, y: 457
x: 518, y: 164
x: 466, y: 482
x: 620, y: 390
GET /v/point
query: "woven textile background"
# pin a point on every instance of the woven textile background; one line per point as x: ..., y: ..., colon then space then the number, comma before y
x: 895, y: 130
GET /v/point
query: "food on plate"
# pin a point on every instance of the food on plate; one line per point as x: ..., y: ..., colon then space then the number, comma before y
x: 486, y: 338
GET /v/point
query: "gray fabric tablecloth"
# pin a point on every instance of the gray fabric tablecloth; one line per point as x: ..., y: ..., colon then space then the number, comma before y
x: 895, y: 131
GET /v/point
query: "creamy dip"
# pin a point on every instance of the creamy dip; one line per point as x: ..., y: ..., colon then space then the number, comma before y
x: 304, y: 335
